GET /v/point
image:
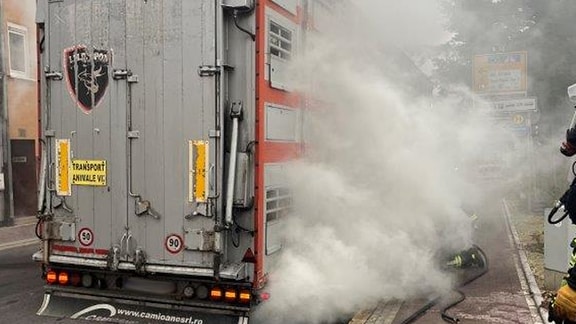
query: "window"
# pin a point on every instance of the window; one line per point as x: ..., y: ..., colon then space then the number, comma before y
x: 17, y: 50
x: 281, y: 48
x: 278, y: 204
x: 280, y: 41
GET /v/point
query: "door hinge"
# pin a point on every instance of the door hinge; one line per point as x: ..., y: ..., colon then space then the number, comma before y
x: 53, y: 75
x: 208, y: 70
x: 211, y: 70
x: 123, y: 74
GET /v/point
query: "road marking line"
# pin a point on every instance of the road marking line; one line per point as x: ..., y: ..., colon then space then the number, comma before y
x: 10, y: 245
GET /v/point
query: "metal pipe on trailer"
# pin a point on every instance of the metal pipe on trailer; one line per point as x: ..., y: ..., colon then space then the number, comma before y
x: 236, y: 115
x: 219, y: 117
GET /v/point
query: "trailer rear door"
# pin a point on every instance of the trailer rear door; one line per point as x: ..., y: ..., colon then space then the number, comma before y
x: 133, y: 129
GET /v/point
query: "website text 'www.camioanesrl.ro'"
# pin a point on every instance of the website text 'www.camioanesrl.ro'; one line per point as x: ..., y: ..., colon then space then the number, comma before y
x: 159, y: 317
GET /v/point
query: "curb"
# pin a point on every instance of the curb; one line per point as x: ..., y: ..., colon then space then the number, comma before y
x: 27, y: 220
x: 534, y: 296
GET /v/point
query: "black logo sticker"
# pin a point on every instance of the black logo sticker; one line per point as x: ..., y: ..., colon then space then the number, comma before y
x: 87, y: 75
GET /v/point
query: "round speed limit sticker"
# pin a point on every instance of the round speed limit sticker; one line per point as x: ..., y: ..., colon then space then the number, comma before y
x: 174, y: 243
x: 85, y: 236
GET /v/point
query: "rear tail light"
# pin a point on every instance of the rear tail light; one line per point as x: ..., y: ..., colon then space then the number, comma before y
x: 63, y: 278
x: 188, y: 291
x: 75, y: 279
x: 101, y: 283
x: 244, y: 296
x: 51, y: 277
x: 202, y: 292
x: 87, y: 280
x: 230, y: 295
x: 215, y: 293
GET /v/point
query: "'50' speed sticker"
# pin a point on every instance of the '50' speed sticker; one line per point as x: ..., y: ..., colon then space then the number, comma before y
x: 85, y: 236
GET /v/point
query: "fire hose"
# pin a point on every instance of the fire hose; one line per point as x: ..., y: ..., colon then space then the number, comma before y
x: 445, y: 316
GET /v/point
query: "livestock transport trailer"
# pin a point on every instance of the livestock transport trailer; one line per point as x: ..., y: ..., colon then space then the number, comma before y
x: 166, y: 129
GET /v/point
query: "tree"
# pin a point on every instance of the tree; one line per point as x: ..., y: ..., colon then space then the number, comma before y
x: 542, y: 28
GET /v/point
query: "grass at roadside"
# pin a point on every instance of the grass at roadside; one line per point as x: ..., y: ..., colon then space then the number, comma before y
x: 530, y: 228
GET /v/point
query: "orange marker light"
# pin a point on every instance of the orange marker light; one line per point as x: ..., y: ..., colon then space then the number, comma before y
x: 63, y: 278
x: 244, y: 296
x: 230, y: 295
x: 216, y: 293
x: 51, y: 277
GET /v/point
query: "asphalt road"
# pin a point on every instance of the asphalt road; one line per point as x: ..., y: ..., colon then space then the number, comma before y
x: 499, y: 296
x: 21, y: 288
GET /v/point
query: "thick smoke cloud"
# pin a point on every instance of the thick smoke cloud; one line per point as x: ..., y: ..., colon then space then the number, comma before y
x: 379, y: 195
x: 405, y: 23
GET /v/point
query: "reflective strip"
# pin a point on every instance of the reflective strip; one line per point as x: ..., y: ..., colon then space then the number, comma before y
x: 243, y: 320
x: 66, y: 248
x: 198, y: 166
x: 572, y: 261
x: 63, y: 184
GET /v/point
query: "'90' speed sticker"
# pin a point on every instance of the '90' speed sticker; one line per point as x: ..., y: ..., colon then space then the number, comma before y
x: 174, y: 243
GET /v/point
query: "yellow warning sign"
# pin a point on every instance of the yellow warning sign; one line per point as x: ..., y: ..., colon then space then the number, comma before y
x: 89, y: 172
x: 63, y: 186
x: 500, y: 72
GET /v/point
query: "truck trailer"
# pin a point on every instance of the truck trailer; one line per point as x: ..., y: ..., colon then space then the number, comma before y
x: 166, y: 129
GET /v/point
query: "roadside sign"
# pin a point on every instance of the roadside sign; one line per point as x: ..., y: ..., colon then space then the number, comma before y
x: 518, y: 119
x: 514, y: 105
x: 500, y: 72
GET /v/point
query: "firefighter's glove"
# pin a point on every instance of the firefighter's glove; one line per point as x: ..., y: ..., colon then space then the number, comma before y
x: 563, y: 308
x: 568, y: 147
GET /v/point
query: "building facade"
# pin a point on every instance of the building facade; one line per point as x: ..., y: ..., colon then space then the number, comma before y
x: 19, y: 108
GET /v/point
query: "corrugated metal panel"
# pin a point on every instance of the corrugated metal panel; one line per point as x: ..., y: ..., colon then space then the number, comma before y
x: 99, y: 208
x: 162, y: 43
x: 172, y: 105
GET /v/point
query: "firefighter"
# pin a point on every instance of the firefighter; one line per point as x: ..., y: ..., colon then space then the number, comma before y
x: 562, y: 308
x: 468, y: 258
x: 568, y: 147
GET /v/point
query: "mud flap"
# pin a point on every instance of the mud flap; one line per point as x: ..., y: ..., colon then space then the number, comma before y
x: 115, y: 311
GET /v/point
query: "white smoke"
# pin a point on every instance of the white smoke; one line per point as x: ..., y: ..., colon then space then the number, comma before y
x: 378, y: 196
x: 413, y: 22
